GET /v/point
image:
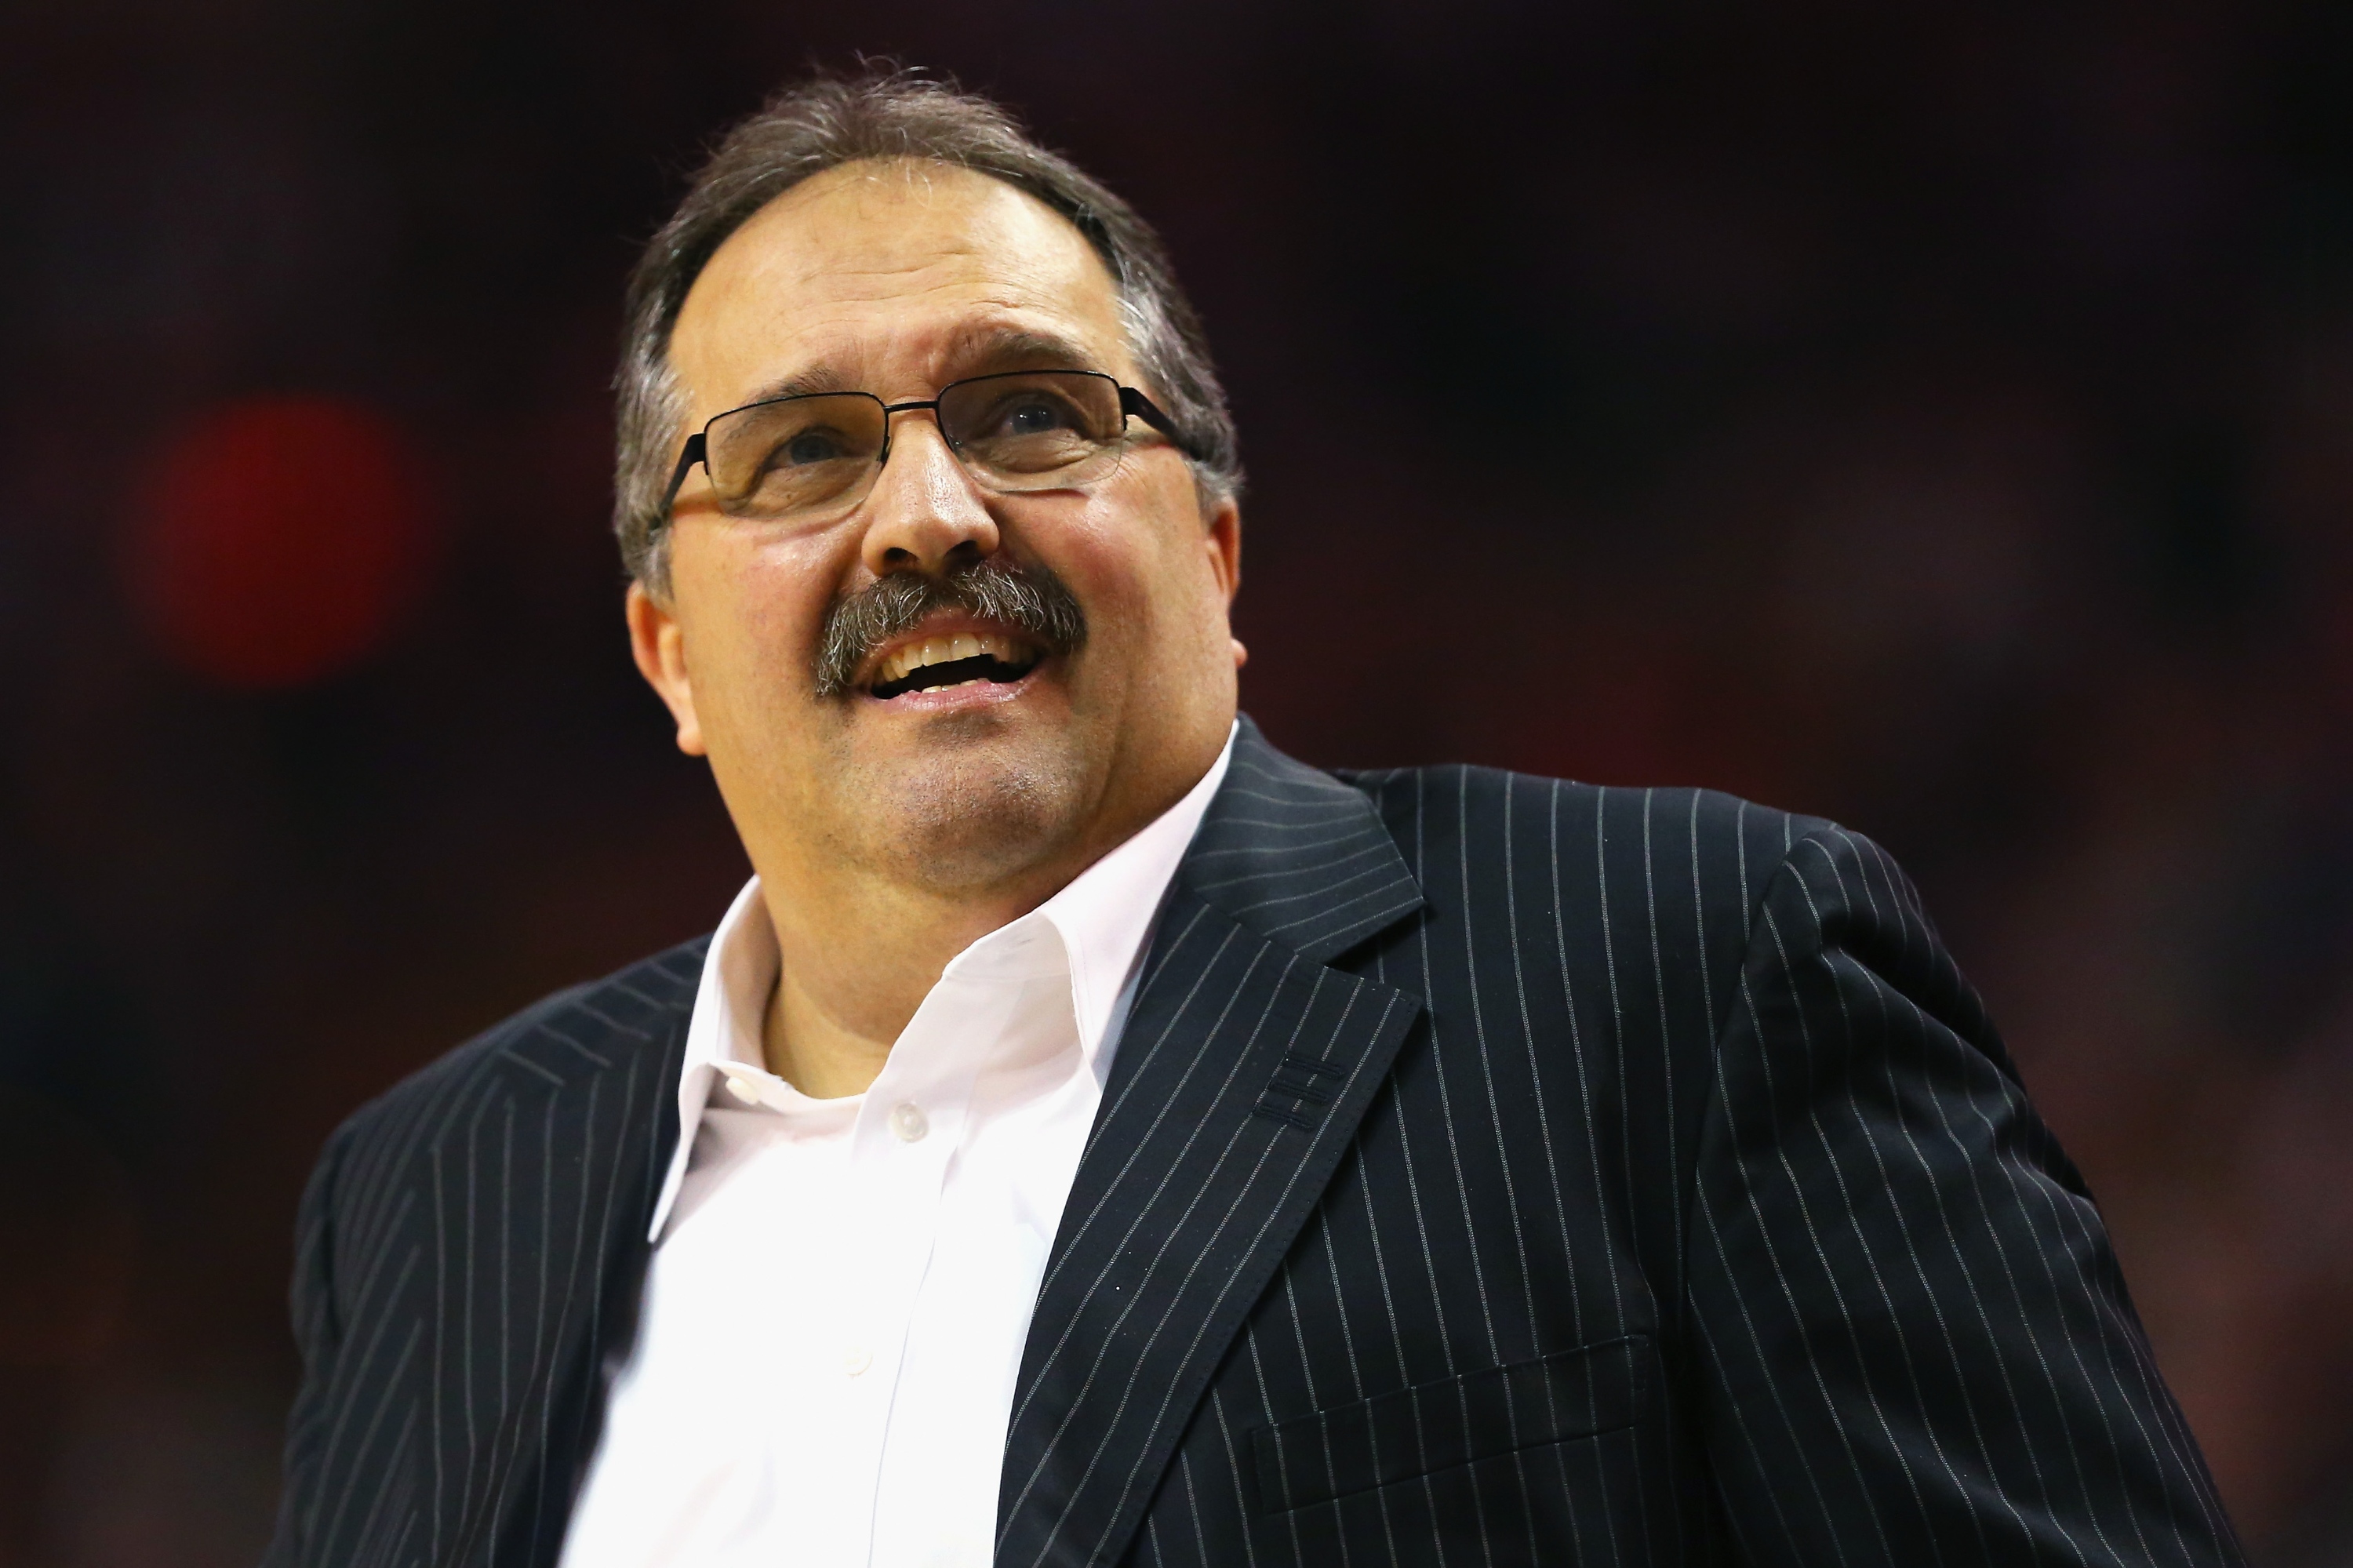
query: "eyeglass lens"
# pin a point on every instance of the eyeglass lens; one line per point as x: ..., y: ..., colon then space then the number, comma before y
x: 1032, y: 430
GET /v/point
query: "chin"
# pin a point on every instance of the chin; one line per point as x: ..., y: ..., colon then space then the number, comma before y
x: 974, y: 816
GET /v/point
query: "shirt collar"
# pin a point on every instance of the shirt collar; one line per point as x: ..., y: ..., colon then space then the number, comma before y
x: 1103, y: 919
x: 1105, y: 916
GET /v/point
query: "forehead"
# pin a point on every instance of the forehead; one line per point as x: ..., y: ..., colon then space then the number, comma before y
x: 889, y: 277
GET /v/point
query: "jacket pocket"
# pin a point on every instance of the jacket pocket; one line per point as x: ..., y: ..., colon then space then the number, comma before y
x: 1579, y: 1393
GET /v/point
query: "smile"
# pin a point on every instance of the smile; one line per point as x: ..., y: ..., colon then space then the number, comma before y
x: 934, y: 663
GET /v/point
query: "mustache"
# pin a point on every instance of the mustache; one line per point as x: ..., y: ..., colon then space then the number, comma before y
x: 1029, y: 599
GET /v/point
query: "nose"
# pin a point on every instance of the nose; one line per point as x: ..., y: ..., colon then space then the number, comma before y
x: 924, y: 513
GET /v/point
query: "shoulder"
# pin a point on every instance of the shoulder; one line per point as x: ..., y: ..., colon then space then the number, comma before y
x: 633, y: 1011
x: 1687, y: 879
x: 1650, y: 832
x: 1655, y: 900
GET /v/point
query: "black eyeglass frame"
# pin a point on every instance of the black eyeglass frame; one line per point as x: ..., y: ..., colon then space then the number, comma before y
x: 1132, y: 405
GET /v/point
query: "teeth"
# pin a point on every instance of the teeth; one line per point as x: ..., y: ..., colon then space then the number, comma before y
x: 913, y: 656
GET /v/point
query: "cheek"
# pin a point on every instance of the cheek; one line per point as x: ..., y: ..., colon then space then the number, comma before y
x: 749, y: 611
x: 1138, y: 563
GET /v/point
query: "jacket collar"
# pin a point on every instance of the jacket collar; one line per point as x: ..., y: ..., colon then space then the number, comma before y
x: 1246, y: 1066
x: 1296, y: 857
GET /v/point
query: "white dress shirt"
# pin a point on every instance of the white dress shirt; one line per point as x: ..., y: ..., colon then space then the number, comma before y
x: 840, y: 1289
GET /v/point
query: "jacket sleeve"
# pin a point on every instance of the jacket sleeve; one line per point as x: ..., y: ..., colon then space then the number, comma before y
x: 318, y: 1335
x: 1915, y: 1346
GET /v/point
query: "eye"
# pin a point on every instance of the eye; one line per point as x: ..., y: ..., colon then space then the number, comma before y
x: 811, y: 446
x: 1032, y: 414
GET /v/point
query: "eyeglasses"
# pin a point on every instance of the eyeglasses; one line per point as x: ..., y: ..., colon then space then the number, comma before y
x: 800, y: 457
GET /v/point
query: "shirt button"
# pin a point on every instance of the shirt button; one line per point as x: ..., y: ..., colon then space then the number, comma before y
x: 856, y: 1358
x: 743, y: 1089
x: 908, y: 1122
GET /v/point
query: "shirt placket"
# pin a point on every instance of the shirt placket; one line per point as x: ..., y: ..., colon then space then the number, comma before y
x: 908, y: 1131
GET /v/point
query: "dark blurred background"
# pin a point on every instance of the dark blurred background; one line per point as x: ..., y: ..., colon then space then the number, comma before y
x: 1935, y: 416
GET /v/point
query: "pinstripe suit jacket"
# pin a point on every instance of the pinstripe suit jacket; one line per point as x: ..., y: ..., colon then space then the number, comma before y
x: 1496, y: 1170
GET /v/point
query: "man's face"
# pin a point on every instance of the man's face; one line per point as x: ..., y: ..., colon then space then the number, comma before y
x: 896, y: 279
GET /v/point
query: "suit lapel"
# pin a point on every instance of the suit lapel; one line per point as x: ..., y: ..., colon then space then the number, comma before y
x: 1240, y: 1078
x: 540, y: 1188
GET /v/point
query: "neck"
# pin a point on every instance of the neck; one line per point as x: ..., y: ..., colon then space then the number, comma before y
x: 852, y: 977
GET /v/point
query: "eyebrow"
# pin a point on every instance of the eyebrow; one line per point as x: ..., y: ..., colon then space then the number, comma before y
x: 979, y: 349
x: 818, y: 378
x: 999, y: 347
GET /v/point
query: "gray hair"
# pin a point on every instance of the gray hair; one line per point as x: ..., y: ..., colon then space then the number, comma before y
x: 897, y: 115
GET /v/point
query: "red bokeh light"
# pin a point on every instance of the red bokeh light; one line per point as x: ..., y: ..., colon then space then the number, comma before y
x: 281, y: 540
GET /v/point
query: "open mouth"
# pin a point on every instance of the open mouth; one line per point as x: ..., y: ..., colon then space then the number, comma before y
x: 934, y: 663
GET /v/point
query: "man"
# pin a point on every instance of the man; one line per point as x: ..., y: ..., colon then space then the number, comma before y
x: 1096, y: 1137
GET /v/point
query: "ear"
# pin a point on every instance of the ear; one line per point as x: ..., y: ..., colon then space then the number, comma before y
x: 658, y: 645
x: 1223, y: 540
